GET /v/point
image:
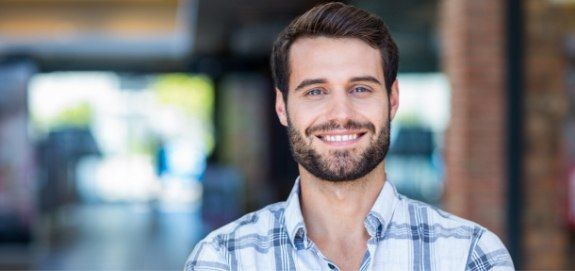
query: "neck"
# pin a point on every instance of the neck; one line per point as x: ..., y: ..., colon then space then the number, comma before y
x: 335, y: 211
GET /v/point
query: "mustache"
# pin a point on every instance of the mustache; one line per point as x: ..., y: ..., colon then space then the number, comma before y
x: 334, y: 125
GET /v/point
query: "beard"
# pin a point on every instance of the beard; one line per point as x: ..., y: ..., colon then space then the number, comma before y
x: 339, y: 165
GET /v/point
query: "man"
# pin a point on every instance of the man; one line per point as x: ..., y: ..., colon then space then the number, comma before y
x: 335, y: 71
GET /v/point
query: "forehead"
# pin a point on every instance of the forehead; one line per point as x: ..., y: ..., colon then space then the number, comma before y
x: 333, y: 58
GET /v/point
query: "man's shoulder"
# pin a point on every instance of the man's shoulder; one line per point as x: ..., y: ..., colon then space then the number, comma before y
x: 414, y: 211
x: 257, y: 223
x: 435, y: 225
x: 451, y: 233
x: 253, y: 230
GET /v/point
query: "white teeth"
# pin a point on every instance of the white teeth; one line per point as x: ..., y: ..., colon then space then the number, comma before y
x: 340, y: 138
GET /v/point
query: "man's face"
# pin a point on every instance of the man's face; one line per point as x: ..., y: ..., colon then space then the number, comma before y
x: 338, y: 111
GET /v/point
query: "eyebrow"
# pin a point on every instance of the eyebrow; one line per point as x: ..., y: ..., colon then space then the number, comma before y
x: 365, y: 79
x: 309, y: 82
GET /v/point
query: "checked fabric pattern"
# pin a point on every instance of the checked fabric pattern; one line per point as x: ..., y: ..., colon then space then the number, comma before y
x: 404, y: 235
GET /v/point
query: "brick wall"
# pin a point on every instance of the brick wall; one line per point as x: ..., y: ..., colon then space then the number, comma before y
x: 474, y: 58
x: 544, y: 231
x: 473, y: 55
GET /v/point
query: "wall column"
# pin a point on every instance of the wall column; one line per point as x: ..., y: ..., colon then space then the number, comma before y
x: 473, y: 55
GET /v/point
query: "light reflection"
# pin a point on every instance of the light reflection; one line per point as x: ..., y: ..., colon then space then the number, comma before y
x: 172, y: 114
x: 415, y: 164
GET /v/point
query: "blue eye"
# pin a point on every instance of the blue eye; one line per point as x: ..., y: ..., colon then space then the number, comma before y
x: 314, y: 92
x: 360, y: 89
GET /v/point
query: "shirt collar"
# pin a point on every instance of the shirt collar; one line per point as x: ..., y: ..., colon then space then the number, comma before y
x: 381, y: 213
x: 294, y: 219
x: 376, y: 221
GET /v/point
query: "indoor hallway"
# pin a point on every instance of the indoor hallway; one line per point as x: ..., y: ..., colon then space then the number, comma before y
x: 116, y: 237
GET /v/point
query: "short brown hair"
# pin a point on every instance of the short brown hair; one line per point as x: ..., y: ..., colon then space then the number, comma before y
x: 335, y: 20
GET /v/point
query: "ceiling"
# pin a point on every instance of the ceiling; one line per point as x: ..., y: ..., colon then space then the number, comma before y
x: 248, y: 28
x: 173, y: 35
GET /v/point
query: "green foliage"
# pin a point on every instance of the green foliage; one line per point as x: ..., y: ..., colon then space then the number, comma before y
x: 75, y: 116
x: 193, y: 94
x: 410, y: 120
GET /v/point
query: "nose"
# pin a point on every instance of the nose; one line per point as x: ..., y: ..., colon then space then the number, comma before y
x: 340, y: 107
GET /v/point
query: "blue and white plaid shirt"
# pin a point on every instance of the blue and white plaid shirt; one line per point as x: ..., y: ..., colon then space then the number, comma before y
x: 404, y: 235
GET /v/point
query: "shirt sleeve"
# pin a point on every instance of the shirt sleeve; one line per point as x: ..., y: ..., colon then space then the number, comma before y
x: 489, y: 253
x: 206, y: 256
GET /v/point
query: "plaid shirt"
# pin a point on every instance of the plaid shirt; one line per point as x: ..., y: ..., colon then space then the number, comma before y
x: 404, y: 235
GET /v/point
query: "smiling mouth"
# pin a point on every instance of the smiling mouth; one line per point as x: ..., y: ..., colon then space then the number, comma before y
x: 340, y: 138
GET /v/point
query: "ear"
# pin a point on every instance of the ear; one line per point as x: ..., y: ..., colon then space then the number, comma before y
x: 281, y: 108
x: 394, y: 99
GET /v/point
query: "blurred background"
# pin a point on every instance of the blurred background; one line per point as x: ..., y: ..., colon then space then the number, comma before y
x: 131, y: 128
